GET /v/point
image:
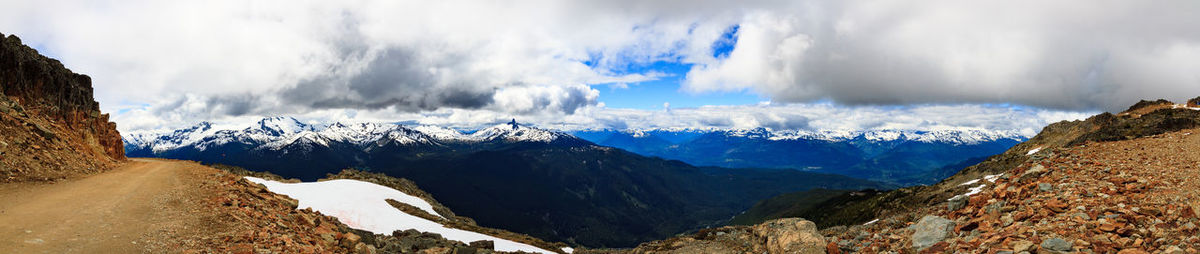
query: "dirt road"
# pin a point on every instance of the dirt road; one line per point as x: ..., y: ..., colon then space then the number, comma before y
x: 135, y: 208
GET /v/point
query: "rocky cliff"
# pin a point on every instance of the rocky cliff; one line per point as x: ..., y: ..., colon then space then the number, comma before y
x: 53, y: 127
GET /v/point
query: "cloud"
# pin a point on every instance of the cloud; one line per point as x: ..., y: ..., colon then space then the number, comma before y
x: 1081, y: 55
x: 470, y: 60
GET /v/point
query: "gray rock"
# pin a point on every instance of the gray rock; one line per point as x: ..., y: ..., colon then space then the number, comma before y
x: 1034, y: 172
x: 1045, y: 187
x: 483, y: 244
x: 956, y: 203
x: 995, y: 207
x: 930, y: 230
x: 1057, y: 244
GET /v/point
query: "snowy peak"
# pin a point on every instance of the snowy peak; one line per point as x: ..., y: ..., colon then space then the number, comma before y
x: 756, y: 133
x: 279, y: 126
x: 514, y: 132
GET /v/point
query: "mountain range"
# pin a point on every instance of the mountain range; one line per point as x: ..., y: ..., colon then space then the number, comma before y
x: 547, y: 184
x: 903, y: 157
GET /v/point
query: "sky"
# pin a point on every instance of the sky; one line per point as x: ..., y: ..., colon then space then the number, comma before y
x: 796, y: 64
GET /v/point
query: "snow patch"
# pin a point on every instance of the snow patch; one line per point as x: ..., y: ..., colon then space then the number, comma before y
x: 1033, y: 151
x: 568, y: 250
x: 1185, y: 106
x: 363, y: 205
x: 977, y: 189
x: 871, y: 222
x: 969, y: 182
x: 971, y: 191
x: 992, y: 178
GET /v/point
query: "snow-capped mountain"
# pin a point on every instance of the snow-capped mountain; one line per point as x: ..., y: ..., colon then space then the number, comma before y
x: 277, y: 133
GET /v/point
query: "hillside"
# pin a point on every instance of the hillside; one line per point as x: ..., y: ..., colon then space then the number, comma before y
x: 53, y: 128
x: 1115, y: 182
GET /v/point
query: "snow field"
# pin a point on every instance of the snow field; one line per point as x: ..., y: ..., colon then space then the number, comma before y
x: 363, y: 205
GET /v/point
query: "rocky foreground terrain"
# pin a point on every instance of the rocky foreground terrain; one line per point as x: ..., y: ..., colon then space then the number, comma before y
x: 52, y: 127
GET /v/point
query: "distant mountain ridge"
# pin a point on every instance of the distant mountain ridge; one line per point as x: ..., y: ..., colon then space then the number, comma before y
x: 905, y: 157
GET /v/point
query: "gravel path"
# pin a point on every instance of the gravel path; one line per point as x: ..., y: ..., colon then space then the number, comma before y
x: 134, y: 208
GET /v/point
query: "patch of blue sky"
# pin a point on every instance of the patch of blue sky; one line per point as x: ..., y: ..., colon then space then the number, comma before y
x: 653, y: 94
x: 724, y: 45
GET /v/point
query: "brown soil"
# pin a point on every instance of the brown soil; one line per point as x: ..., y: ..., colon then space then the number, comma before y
x: 129, y: 209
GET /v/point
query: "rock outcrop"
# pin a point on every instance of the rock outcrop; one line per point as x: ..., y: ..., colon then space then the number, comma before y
x: 788, y: 235
x: 49, y: 115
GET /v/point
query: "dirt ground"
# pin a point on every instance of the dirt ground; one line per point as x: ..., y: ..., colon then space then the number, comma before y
x: 134, y: 208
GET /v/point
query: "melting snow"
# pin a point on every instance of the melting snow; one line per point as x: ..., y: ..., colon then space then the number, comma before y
x: 871, y: 222
x: 1184, y: 106
x: 969, y: 182
x: 971, y: 191
x: 992, y: 178
x: 1033, y: 151
x: 977, y: 189
x: 362, y: 205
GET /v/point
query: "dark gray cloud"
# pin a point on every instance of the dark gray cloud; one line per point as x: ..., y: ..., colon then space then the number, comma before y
x: 396, y: 77
x: 234, y: 104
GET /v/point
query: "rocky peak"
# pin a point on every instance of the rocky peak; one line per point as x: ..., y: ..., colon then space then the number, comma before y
x: 277, y: 126
x: 49, y: 113
x: 45, y: 87
x: 1145, y: 103
x: 514, y: 132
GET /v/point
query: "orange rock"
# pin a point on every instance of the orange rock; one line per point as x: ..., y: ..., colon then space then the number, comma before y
x: 832, y: 248
x: 1133, y: 251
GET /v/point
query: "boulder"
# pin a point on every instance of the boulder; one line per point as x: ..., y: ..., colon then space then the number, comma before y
x: 790, y: 235
x: 930, y: 230
x: 955, y: 203
x: 1022, y: 245
x: 483, y: 244
x: 1056, y: 245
